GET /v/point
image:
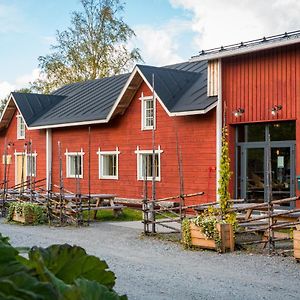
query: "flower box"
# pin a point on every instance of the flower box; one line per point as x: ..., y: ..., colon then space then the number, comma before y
x: 26, y: 213
x: 226, y: 236
x: 22, y: 218
x: 297, y: 244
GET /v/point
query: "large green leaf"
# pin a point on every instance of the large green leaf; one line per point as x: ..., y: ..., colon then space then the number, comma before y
x: 69, y: 263
x: 16, y: 280
x: 91, y: 290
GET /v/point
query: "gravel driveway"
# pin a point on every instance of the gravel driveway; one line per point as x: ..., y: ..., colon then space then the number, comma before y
x: 147, y: 268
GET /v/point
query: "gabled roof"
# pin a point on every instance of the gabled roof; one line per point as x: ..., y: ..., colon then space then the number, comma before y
x: 180, y: 88
x: 84, y: 102
x: 180, y: 91
x: 30, y: 105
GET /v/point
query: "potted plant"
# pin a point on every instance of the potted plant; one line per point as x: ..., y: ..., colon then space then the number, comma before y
x: 214, y: 229
x: 208, y: 231
x: 26, y: 213
x: 296, y: 238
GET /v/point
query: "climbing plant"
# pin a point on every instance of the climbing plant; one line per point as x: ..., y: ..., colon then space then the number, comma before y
x: 225, y: 174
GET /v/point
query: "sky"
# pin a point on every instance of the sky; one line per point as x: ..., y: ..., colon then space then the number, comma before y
x: 167, y: 31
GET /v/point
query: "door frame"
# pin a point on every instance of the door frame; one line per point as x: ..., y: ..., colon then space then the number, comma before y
x: 264, y: 145
x: 16, y: 165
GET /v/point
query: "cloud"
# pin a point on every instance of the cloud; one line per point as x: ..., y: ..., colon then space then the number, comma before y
x: 160, y: 45
x: 5, y: 89
x: 219, y: 22
x: 21, y: 82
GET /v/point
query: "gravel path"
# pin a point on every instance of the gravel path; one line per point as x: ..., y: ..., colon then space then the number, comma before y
x: 147, y: 268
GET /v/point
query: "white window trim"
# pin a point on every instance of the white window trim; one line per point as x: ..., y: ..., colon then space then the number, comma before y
x: 100, y: 163
x: 34, y: 154
x: 68, y: 154
x: 143, y: 100
x: 19, y: 136
x: 138, y: 153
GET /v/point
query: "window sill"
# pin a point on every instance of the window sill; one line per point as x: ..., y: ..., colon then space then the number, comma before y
x: 148, y: 128
x: 109, y: 177
x: 150, y: 179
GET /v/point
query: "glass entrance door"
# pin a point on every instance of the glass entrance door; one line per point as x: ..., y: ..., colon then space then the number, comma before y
x: 254, y: 144
x: 255, y: 177
x: 254, y: 172
x: 281, y: 172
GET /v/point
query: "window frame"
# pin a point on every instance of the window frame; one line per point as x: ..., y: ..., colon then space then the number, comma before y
x: 29, y: 155
x: 20, y: 122
x: 101, y: 155
x: 68, y: 162
x: 144, y: 100
x: 139, y: 153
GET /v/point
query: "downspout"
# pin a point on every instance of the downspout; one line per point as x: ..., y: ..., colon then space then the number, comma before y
x: 219, y: 119
x: 48, y: 158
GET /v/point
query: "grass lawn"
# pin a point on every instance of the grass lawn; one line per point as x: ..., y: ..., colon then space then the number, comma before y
x: 128, y: 214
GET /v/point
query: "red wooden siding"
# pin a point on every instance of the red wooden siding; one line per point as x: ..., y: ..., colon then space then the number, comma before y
x: 38, y: 139
x: 197, y: 140
x: 258, y: 81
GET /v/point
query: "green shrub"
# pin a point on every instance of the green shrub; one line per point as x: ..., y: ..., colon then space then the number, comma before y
x: 33, y: 213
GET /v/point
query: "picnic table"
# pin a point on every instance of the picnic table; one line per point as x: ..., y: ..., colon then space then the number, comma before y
x: 97, y: 202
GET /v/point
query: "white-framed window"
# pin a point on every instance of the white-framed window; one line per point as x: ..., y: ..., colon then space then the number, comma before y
x: 145, y: 163
x: 108, y: 164
x: 148, y: 112
x: 28, y: 163
x: 20, y: 128
x: 31, y: 164
x: 74, y: 164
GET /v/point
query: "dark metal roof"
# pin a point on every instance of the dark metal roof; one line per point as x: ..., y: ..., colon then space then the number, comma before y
x: 180, y: 90
x: 33, y: 106
x: 84, y: 101
x: 182, y: 87
x: 243, y: 47
x: 197, y: 66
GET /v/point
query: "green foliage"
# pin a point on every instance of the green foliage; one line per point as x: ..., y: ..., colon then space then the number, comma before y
x: 186, y: 234
x: 128, y: 214
x: 68, y: 263
x: 45, y: 275
x: 94, y: 46
x: 225, y: 174
x: 207, y: 222
x: 32, y: 213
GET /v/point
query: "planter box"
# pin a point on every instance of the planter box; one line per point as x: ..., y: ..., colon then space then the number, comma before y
x: 297, y: 244
x: 21, y: 218
x: 226, y: 235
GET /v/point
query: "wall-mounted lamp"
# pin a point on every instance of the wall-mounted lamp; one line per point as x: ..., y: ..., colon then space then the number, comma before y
x: 238, y: 112
x: 10, y: 144
x: 275, y: 109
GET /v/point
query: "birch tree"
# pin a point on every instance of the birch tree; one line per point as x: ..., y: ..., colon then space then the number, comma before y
x: 94, y: 46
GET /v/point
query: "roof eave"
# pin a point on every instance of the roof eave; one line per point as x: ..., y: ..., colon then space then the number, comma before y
x: 245, y: 50
x: 194, y: 112
x: 61, y: 125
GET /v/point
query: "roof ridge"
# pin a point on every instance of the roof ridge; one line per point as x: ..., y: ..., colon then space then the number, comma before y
x: 168, y: 69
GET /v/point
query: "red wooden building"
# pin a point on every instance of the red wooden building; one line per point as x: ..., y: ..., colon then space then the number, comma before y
x: 260, y: 100
x: 104, y: 128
